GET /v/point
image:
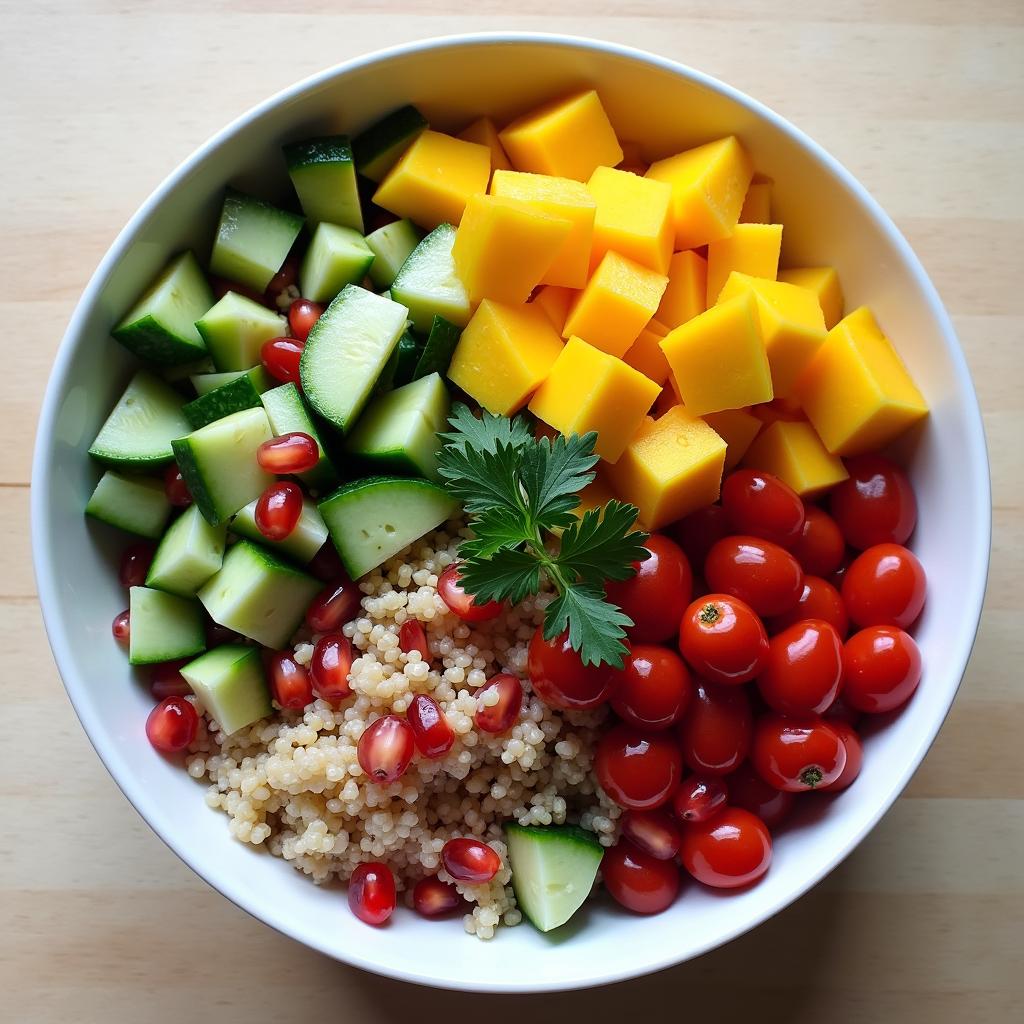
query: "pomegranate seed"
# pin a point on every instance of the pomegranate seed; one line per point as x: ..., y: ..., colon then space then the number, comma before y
x: 412, y: 637
x: 654, y: 832
x: 699, y: 797
x: 175, y: 487
x: 289, y: 681
x: 469, y: 860
x: 166, y: 680
x: 172, y: 725
x: 135, y: 563
x: 122, y: 627
x: 433, y: 735
x: 335, y: 605
x: 280, y: 358
x: 330, y: 666
x: 431, y: 897
x: 290, y: 453
x: 302, y: 314
x: 385, y: 749
x: 278, y: 509
x: 500, y: 716
x: 326, y: 564
x: 371, y: 893
x: 284, y: 278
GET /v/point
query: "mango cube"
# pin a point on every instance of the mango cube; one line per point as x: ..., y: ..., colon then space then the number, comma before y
x: 619, y: 299
x: 503, y: 248
x: 737, y: 428
x: 792, y: 451
x: 634, y: 218
x: 824, y: 282
x: 588, y: 389
x: 718, y: 360
x: 567, y: 138
x: 645, y: 353
x: 757, y: 205
x: 709, y: 184
x: 670, y: 468
x: 434, y: 178
x: 752, y: 249
x: 686, y: 293
x: 555, y: 302
x: 856, y: 391
x: 483, y: 132
x: 557, y: 197
x: 503, y: 355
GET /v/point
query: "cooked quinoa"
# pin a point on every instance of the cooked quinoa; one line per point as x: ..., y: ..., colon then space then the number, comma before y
x: 293, y: 784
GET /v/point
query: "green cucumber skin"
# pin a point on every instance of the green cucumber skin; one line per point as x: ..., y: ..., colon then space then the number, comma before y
x: 378, y: 148
x: 147, y: 339
x: 190, y: 638
x: 137, y: 505
x: 328, y: 153
x: 232, y: 397
x: 437, y: 353
x: 410, y: 350
x: 428, y: 285
x: 205, y: 383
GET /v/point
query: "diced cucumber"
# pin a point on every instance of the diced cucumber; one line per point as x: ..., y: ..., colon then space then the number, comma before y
x: 160, y: 327
x: 346, y: 351
x: 232, y: 397
x: 378, y: 148
x: 324, y: 175
x: 258, y: 595
x: 204, y: 383
x: 428, y: 285
x: 139, y: 430
x: 236, y: 328
x: 553, y: 870
x: 163, y: 627
x: 288, y: 412
x: 398, y: 432
x: 218, y: 463
x: 300, y: 545
x: 398, y: 370
x: 137, y: 504
x: 370, y: 520
x: 337, y: 256
x: 391, y: 246
x: 253, y: 240
x: 437, y: 353
x: 176, y: 374
x: 190, y: 553
x: 231, y: 685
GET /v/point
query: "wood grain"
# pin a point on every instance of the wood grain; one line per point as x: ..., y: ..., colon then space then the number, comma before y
x: 922, y: 99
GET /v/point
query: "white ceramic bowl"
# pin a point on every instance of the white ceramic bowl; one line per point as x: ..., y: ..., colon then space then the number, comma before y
x: 828, y: 218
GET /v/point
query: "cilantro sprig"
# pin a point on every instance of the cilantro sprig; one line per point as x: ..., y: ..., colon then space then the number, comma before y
x: 521, y: 493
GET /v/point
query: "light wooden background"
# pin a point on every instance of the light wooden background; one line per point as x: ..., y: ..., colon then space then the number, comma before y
x: 922, y: 99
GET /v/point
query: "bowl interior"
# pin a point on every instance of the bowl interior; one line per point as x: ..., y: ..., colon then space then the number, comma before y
x: 828, y: 219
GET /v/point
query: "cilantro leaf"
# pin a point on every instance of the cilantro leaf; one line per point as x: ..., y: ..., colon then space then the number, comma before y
x: 494, y: 529
x: 483, y: 479
x: 596, y: 626
x: 508, y: 575
x: 553, y: 473
x: 600, y: 546
x: 484, y: 432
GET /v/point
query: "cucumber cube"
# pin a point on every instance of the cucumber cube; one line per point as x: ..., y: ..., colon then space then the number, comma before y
x: 378, y: 148
x: 301, y: 544
x: 231, y: 685
x: 163, y: 627
x: 190, y: 553
x: 428, y: 285
x: 324, y: 175
x: 288, y: 412
x: 232, y: 397
x: 337, y: 256
x: 204, y: 383
x: 398, y: 370
x: 440, y: 347
x: 137, y: 504
x: 391, y: 246
x: 236, y: 328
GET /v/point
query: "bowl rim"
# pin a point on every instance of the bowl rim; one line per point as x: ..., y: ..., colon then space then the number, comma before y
x: 41, y: 485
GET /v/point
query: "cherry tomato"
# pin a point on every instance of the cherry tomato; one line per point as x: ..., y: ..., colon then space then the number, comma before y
x: 759, y: 572
x: 748, y: 790
x: 698, y: 533
x: 840, y: 711
x: 804, y: 669
x: 881, y: 669
x: 652, y: 689
x: 699, y: 797
x: 762, y: 505
x: 638, y: 881
x: 655, y: 832
x: 854, y: 756
x: 836, y: 579
x: 722, y: 639
x: 656, y: 597
x: 302, y: 315
x: 462, y: 603
x: 730, y: 850
x: 884, y: 586
x: 716, y: 730
x: 560, y: 678
x: 820, y: 546
x: 797, y: 754
x: 818, y: 600
x: 639, y: 771
x: 876, y: 505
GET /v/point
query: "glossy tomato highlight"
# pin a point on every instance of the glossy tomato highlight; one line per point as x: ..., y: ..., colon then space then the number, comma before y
x: 656, y: 597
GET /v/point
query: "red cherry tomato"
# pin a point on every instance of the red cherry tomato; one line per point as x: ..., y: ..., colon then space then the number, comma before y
x: 722, y: 639
x: 840, y: 711
x: 748, y: 790
x: 762, y: 505
x: 797, y: 754
x: 854, y: 755
x: 836, y: 579
x: 759, y: 572
x: 652, y: 689
x: 699, y: 797
x: 716, y: 730
x: 560, y: 678
x: 302, y: 315
x: 730, y: 850
x: 655, y: 832
x: 461, y: 602
x: 881, y: 669
x: 172, y: 724
x: 884, y: 586
x: 638, y: 881
x: 820, y: 547
x: 804, y: 669
x: 639, y: 771
x: 818, y: 600
x: 876, y: 505
x: 656, y: 597
x: 698, y: 533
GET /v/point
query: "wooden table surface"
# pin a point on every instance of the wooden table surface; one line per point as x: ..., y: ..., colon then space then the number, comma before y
x: 922, y: 99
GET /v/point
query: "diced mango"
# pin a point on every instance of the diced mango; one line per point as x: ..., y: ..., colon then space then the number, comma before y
x: 671, y: 467
x: 645, y: 353
x: 503, y: 247
x: 824, y: 282
x: 718, y: 360
x: 503, y: 355
x: 483, y: 132
x: 634, y: 218
x: 856, y: 392
x: 686, y: 293
x: 709, y: 184
x: 791, y: 323
x: 557, y: 197
x: 619, y: 299
x: 792, y: 451
x: 737, y: 428
x: 757, y: 206
x: 751, y: 249
x: 588, y: 389
x: 567, y: 138
x: 555, y: 302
